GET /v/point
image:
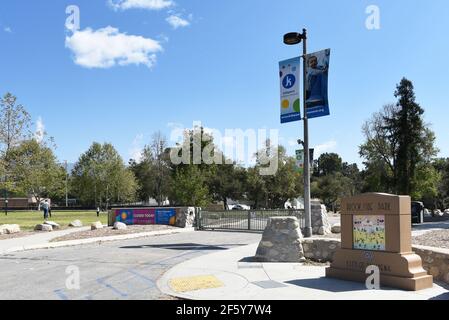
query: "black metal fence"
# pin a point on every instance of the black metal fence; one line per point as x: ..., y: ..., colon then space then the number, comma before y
x: 252, y: 220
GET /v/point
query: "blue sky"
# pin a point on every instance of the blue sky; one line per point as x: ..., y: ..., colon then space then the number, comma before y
x: 220, y: 67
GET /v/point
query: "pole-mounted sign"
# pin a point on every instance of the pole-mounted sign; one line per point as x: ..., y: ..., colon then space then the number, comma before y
x: 300, y: 161
x: 317, y: 70
x: 289, y: 72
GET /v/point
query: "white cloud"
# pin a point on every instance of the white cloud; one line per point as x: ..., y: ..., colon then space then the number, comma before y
x: 135, y: 152
x: 325, y: 147
x: 7, y: 29
x: 177, y: 22
x: 39, y: 134
x: 140, y: 4
x: 107, y: 47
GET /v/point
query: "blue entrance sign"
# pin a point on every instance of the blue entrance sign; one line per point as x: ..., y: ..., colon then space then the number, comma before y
x: 289, y: 72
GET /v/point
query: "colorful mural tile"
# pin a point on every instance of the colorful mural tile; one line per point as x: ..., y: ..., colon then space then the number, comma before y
x: 369, y: 233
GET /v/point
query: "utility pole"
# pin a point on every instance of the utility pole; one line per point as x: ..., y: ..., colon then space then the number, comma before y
x: 66, y: 186
x: 294, y: 38
x: 307, y: 205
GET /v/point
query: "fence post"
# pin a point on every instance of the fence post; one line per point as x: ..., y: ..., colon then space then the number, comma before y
x: 198, y: 218
x: 249, y: 220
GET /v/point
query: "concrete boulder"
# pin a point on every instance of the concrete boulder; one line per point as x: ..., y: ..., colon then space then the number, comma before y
x: 76, y: 224
x: 43, y: 227
x: 185, y: 217
x: 281, y: 241
x: 9, y: 229
x: 54, y: 225
x: 96, y: 226
x: 120, y: 226
x: 336, y: 228
x: 320, y: 219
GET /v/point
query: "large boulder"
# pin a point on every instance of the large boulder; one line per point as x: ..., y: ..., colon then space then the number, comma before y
x: 54, y: 225
x: 96, y: 225
x: 43, y: 227
x: 9, y: 229
x: 320, y: 220
x: 281, y: 241
x: 120, y: 226
x: 336, y: 228
x: 76, y: 224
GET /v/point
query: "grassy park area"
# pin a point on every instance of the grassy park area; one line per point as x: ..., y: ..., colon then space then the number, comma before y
x: 27, y: 220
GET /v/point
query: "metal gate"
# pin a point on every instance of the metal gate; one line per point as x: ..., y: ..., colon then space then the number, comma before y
x: 253, y: 220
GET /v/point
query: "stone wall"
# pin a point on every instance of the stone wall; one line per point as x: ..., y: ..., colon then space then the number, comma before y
x: 320, y: 219
x: 281, y: 241
x: 435, y: 260
x: 320, y: 250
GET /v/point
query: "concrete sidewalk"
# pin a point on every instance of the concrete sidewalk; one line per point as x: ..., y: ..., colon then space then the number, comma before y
x: 43, y: 240
x: 18, y: 244
x: 229, y: 277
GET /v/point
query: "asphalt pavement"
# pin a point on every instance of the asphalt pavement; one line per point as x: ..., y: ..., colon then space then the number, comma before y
x: 115, y: 270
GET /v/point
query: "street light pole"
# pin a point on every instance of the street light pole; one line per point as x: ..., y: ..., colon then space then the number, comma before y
x: 292, y: 39
x: 307, y: 206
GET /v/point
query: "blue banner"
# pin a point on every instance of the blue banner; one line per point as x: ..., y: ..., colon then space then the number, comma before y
x: 166, y: 216
x: 289, y: 72
x: 317, y: 68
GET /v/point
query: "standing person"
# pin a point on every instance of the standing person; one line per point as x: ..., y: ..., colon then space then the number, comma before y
x: 45, y: 206
x: 98, y: 211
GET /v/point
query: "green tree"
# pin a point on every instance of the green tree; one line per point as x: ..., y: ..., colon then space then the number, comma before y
x: 398, y: 145
x: 442, y: 199
x: 406, y: 128
x: 189, y: 187
x: 197, y: 156
x: 426, y: 188
x: 153, y: 171
x: 328, y: 163
x: 272, y: 191
x: 36, y: 171
x: 227, y: 181
x: 352, y: 172
x: 15, y: 122
x: 331, y: 188
x: 100, y: 177
x: 255, y: 186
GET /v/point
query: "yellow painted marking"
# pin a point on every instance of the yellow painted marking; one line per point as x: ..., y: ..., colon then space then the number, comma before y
x: 195, y: 283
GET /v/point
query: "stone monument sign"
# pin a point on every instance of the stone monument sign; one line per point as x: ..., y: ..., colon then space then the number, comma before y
x: 376, y: 230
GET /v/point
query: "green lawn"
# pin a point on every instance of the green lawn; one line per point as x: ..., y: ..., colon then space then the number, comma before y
x: 27, y: 220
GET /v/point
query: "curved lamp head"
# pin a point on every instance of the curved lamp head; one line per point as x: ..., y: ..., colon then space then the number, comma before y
x: 293, y: 38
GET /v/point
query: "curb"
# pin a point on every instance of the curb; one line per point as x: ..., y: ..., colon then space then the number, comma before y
x: 72, y: 243
x: 163, y: 282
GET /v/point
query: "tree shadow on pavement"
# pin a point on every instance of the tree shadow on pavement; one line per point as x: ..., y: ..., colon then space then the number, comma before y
x: 184, y: 246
